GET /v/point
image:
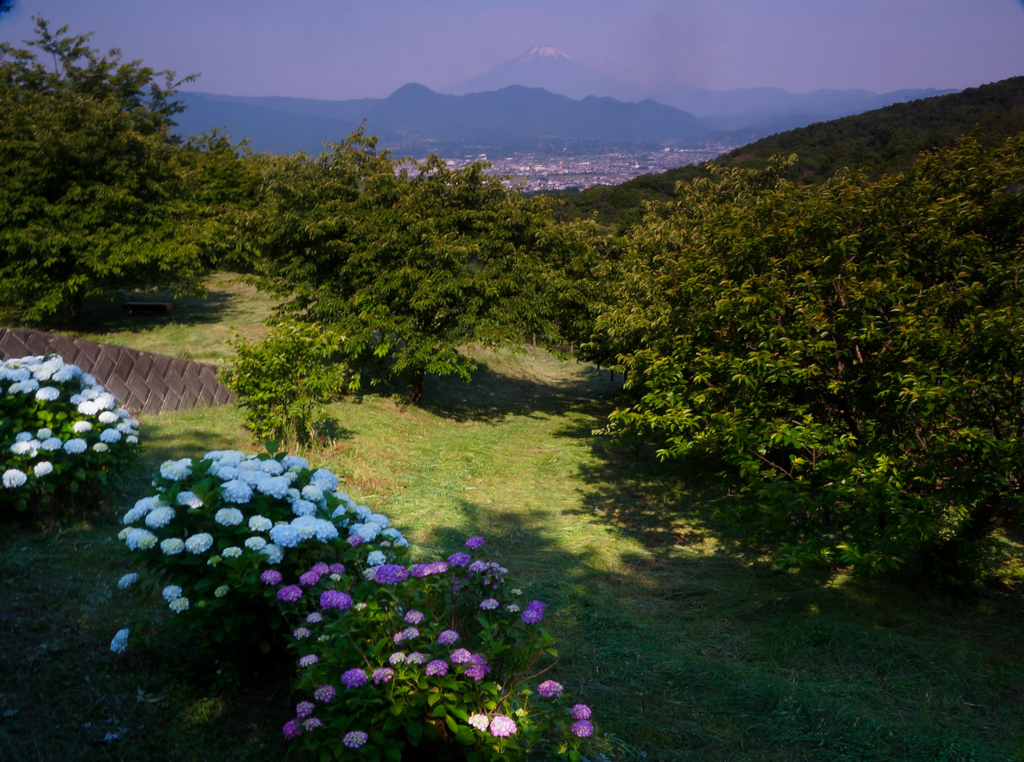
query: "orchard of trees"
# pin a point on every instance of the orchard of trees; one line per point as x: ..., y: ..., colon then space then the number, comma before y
x: 850, y: 351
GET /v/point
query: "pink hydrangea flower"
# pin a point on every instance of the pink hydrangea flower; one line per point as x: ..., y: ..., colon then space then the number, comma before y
x: 502, y: 726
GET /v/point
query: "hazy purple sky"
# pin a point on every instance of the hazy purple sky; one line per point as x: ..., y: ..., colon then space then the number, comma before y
x: 336, y: 49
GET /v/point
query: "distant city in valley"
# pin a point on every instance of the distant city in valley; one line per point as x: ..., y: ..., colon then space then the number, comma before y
x: 546, y: 172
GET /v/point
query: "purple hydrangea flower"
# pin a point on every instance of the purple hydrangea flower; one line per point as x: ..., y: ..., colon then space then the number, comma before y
x: 409, y: 633
x: 479, y: 566
x: 355, y: 738
x: 300, y: 633
x: 415, y: 658
x: 353, y: 678
x: 534, y: 612
x: 315, y: 617
x: 437, y: 667
x: 335, y: 599
x: 549, y: 688
x: 461, y: 656
x: 479, y: 721
x: 311, y: 723
x: 502, y: 726
x: 414, y: 617
x: 479, y: 668
x: 423, y: 570
x: 447, y: 637
x: 325, y: 693
x: 291, y: 729
x: 309, y: 578
x: 489, y: 603
x: 290, y: 593
x: 475, y: 543
x: 581, y: 712
x: 460, y: 559
x: 389, y: 574
x: 353, y: 540
x: 396, y: 658
x: 308, y: 660
x: 582, y: 729
x: 271, y: 577
x: 336, y: 568
x: 382, y: 675
x: 304, y: 708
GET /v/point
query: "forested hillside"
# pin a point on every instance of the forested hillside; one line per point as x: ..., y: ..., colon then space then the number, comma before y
x: 879, y: 142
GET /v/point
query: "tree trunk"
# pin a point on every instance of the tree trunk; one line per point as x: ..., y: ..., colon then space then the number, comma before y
x: 416, y: 388
x: 75, y: 309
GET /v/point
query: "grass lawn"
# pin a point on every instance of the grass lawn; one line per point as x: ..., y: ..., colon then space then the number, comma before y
x: 687, y: 645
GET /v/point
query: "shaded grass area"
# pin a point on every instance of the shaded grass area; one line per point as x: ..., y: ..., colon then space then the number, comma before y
x: 195, y: 329
x: 688, y: 645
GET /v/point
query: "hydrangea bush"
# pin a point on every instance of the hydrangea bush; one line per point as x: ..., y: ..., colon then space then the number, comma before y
x: 212, y: 531
x: 391, y: 653
x: 61, y: 433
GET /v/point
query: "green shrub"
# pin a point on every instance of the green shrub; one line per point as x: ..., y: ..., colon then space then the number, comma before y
x: 61, y: 434
x: 854, y: 352
x: 283, y: 379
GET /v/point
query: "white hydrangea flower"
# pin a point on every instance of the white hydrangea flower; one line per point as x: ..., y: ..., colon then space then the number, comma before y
x: 391, y: 533
x: 123, y: 534
x: 106, y: 401
x: 159, y: 517
x: 52, y: 444
x: 232, y: 552
x: 379, y: 519
x: 28, y: 447
x: 75, y: 446
x: 228, y: 517
x: 402, y: 543
x: 285, y: 535
x: 43, y: 433
x: 259, y: 523
x: 100, y: 447
x: 303, y: 507
x: 221, y: 591
x: 110, y: 436
x: 225, y: 473
x: 339, y: 511
x: 124, y: 428
x: 131, y: 439
x: 139, y: 539
x: 313, y: 493
x: 14, y: 478
x: 88, y: 379
x: 108, y: 417
x: 292, y: 495
x: 274, y: 553
x: 82, y: 427
x: 275, y: 486
x: 171, y: 592
x: 172, y: 546
x: 271, y: 467
x: 89, y: 407
x: 176, y: 470
x: 362, y: 512
x: 127, y: 580
x: 178, y: 605
x: 199, y: 543
x: 120, y: 641
x: 190, y: 499
x: 25, y: 436
x: 342, y: 497
x: 294, y: 461
x: 65, y: 374
x: 255, y: 543
x: 376, y: 558
x: 324, y: 477
x: 236, y: 491
x: 43, y: 468
x: 29, y: 386
x: 48, y: 394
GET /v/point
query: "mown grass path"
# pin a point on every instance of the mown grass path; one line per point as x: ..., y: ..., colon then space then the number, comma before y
x: 688, y: 645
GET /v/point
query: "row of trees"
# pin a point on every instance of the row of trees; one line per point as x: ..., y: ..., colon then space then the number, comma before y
x: 849, y: 351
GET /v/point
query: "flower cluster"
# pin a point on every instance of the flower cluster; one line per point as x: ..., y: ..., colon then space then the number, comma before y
x: 412, y: 643
x: 64, y: 429
x: 227, y: 526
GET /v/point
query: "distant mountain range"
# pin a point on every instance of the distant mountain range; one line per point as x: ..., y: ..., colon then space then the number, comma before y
x: 542, y: 101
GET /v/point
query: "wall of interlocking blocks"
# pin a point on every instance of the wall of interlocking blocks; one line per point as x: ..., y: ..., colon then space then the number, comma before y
x: 140, y: 381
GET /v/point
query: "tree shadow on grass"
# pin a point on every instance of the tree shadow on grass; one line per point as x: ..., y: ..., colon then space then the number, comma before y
x: 492, y: 395
x: 106, y: 315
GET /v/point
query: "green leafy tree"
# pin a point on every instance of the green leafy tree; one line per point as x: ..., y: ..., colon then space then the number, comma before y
x: 409, y: 261
x: 89, y: 197
x: 852, y: 351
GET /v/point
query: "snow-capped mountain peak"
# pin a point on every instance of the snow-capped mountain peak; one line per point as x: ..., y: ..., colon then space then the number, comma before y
x: 538, y: 52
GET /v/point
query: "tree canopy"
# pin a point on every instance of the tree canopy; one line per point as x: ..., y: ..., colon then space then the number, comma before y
x: 89, y: 194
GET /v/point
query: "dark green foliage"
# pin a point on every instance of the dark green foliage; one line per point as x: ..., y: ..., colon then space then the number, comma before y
x: 878, y: 142
x: 88, y: 192
x: 283, y: 379
x: 851, y: 350
x: 408, y: 261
